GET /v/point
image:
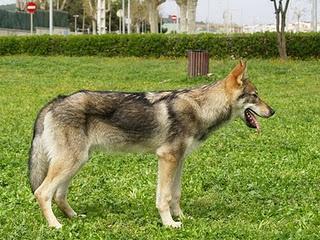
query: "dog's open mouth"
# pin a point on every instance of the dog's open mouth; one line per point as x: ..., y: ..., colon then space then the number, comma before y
x: 251, y: 120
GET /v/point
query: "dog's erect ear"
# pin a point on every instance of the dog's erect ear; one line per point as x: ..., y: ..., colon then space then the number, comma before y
x: 239, y: 73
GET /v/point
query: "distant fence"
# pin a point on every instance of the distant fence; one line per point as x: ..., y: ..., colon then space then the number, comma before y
x: 21, y: 20
x: 259, y: 45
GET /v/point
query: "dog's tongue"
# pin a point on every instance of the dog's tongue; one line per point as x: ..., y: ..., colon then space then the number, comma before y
x: 251, y: 120
x: 256, y: 123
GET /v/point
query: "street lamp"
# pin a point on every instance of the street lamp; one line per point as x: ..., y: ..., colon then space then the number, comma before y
x: 75, y: 23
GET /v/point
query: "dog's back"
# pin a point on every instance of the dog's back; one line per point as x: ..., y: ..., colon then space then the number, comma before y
x: 115, y: 121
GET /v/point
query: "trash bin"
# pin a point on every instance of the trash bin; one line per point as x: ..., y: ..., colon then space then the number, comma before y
x: 198, y: 63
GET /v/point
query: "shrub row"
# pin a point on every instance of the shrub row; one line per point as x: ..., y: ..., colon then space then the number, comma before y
x: 261, y: 45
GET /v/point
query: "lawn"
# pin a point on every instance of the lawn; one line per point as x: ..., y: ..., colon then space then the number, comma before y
x: 238, y: 185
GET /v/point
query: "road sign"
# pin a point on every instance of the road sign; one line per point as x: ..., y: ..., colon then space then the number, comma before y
x: 31, y: 7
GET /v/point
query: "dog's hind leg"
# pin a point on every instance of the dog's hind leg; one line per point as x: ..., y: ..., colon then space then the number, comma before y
x: 60, y: 197
x: 168, y: 163
x: 60, y: 171
x: 176, y: 192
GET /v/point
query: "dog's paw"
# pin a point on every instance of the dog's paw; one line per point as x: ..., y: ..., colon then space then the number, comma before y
x: 56, y: 226
x: 71, y: 214
x: 173, y: 224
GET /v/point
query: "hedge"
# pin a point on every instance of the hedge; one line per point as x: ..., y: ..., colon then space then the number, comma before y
x: 261, y: 45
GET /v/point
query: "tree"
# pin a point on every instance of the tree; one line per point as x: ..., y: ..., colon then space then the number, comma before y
x: 183, y: 5
x: 192, y: 6
x: 139, y: 13
x: 154, y: 14
x: 109, y: 11
x: 281, y: 12
x: 90, y: 7
x: 187, y: 15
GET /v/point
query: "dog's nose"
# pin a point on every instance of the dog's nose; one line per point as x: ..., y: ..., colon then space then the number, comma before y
x: 272, y: 112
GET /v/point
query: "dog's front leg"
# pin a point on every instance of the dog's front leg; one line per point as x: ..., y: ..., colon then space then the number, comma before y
x: 166, y: 172
x: 176, y: 192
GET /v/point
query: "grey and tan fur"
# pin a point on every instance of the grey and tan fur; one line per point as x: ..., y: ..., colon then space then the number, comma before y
x: 170, y: 124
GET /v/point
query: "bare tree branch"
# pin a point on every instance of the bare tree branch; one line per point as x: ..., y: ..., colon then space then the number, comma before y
x: 286, y: 7
x: 275, y: 5
x: 63, y: 5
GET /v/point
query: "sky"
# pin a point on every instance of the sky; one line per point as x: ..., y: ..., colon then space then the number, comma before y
x: 246, y: 12
x: 243, y: 12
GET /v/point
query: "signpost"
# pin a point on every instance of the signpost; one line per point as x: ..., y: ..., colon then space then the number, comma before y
x: 75, y: 24
x: 174, y: 19
x: 31, y: 9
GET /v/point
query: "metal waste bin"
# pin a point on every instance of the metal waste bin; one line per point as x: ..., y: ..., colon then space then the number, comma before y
x: 198, y: 63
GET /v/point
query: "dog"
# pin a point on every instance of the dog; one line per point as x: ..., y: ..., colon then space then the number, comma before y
x: 168, y: 123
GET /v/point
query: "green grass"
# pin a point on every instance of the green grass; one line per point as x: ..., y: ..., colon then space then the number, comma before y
x: 238, y: 185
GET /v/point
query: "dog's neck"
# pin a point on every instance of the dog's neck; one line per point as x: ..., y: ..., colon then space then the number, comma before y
x: 215, y: 108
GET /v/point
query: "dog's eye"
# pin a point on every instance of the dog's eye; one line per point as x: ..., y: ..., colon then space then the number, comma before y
x: 255, y: 95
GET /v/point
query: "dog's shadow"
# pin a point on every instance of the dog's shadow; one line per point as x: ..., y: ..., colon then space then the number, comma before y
x: 210, y: 207
x: 129, y: 209
x: 132, y: 210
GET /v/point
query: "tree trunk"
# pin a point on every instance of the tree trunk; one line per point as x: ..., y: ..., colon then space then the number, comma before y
x: 281, y: 12
x: 110, y: 16
x: 153, y: 16
x: 183, y: 19
x: 283, y: 52
x: 83, y: 19
x: 192, y: 6
x: 94, y: 26
x: 153, y: 19
x: 91, y: 12
x: 183, y: 15
x: 138, y: 27
x: 283, y: 45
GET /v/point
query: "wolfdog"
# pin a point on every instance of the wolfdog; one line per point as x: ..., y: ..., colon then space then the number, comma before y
x: 168, y: 123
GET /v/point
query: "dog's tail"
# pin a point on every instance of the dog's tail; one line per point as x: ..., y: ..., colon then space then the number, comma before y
x: 38, y: 155
x: 38, y: 164
x: 38, y: 158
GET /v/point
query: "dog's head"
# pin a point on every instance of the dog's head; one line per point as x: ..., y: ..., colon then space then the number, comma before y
x: 244, y: 97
